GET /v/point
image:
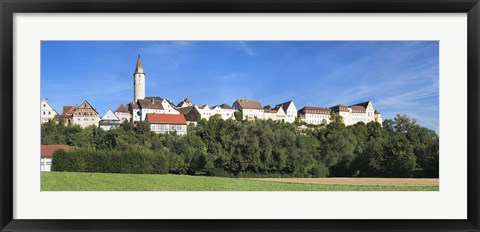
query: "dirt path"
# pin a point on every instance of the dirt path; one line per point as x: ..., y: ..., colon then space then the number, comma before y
x: 358, y: 181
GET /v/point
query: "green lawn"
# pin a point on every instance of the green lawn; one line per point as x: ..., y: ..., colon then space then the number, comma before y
x: 68, y: 181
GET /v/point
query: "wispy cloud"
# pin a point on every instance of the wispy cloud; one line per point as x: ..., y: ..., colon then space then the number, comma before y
x: 245, y: 48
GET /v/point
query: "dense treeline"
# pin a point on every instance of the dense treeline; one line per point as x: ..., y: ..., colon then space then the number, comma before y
x: 401, y: 148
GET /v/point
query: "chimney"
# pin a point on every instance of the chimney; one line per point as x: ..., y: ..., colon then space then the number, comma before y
x: 152, y: 100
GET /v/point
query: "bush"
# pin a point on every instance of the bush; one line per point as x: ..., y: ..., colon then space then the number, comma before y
x: 110, y: 161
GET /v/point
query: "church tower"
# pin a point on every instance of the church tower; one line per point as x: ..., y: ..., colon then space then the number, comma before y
x: 138, y: 81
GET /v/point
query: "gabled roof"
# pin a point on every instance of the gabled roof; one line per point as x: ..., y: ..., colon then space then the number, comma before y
x: 185, y: 101
x: 284, y: 105
x: 150, y: 103
x: 185, y: 110
x: 68, y: 110
x: 122, y: 109
x: 110, y: 116
x: 377, y: 112
x: 46, y: 102
x: 225, y: 106
x: 133, y: 105
x: 203, y: 106
x: 364, y: 104
x: 248, y: 104
x: 86, y: 105
x: 48, y: 150
x: 177, y: 119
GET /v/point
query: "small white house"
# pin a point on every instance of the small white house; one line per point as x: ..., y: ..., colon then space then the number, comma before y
x: 123, y: 113
x: 224, y: 110
x: 289, y: 109
x: 167, y: 123
x: 275, y: 114
x: 109, y: 121
x: 46, y: 155
x: 47, y: 112
x: 251, y: 109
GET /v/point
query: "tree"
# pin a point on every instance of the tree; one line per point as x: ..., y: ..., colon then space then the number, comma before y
x: 142, y: 127
x: 267, y: 107
x: 335, y: 117
x: 238, y: 115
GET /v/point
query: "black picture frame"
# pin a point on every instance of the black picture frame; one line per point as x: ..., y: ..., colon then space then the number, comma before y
x: 9, y: 7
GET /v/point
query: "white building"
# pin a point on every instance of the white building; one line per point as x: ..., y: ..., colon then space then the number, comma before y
x: 290, y: 111
x: 167, y: 123
x: 157, y: 105
x: 275, y: 114
x: 314, y: 115
x: 224, y: 110
x: 251, y: 109
x: 205, y: 111
x: 85, y: 115
x: 361, y: 112
x: 46, y: 155
x: 122, y: 113
x: 109, y: 121
x: 47, y: 112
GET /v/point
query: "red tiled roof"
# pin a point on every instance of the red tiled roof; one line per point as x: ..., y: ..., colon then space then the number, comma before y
x: 248, y: 104
x: 339, y: 107
x: 166, y: 119
x: 150, y: 103
x: 358, y: 109
x: 48, y: 150
x: 314, y: 110
x: 69, y: 110
x: 122, y: 108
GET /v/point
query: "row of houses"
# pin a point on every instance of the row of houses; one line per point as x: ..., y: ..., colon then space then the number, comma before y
x: 165, y: 117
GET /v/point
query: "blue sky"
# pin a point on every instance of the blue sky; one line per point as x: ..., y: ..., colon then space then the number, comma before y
x: 398, y: 76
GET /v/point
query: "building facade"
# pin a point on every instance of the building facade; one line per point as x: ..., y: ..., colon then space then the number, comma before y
x: 47, y: 112
x: 224, y: 110
x: 361, y: 112
x: 109, y: 121
x: 289, y: 109
x: 167, y: 123
x: 251, y: 109
x: 123, y: 113
x: 276, y: 114
x: 85, y: 115
x: 314, y: 115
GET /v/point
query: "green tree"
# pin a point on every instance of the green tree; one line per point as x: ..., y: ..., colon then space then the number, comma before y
x: 142, y: 127
x: 238, y: 115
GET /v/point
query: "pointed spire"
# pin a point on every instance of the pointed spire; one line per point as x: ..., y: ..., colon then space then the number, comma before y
x: 139, y: 67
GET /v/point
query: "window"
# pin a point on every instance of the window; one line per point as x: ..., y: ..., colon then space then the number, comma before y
x: 43, y: 112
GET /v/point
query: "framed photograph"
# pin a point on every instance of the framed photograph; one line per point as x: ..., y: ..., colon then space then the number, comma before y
x: 239, y: 115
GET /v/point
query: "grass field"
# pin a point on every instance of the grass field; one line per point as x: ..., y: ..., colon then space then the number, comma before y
x: 68, y: 181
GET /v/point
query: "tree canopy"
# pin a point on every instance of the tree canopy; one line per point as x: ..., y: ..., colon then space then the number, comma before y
x: 263, y: 148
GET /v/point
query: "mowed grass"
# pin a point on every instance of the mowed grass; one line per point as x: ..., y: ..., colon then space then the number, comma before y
x: 69, y: 181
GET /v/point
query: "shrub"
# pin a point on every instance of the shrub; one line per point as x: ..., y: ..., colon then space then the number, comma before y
x: 110, y: 161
